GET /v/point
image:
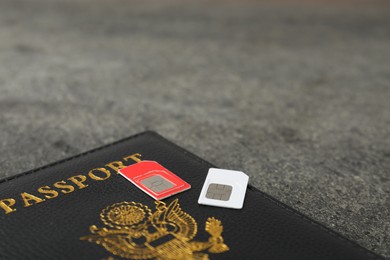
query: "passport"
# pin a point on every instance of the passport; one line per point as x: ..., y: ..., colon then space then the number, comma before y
x: 81, y: 208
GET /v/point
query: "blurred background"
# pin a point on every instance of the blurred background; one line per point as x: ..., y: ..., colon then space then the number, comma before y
x: 295, y: 93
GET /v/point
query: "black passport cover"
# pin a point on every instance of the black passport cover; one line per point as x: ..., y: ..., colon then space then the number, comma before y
x: 103, y: 217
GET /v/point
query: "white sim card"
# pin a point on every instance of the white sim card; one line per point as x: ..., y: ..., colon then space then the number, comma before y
x: 224, y: 188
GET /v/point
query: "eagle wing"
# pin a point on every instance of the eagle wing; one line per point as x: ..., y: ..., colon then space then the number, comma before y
x: 185, y: 225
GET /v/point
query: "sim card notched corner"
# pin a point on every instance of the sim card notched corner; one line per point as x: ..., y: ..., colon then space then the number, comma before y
x: 224, y: 188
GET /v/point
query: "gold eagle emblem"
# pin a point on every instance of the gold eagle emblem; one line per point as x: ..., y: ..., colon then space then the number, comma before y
x: 134, y: 231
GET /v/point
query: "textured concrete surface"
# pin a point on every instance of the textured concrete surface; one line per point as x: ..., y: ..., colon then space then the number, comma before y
x: 296, y: 95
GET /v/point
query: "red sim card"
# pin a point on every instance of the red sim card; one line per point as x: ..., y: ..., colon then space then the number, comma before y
x: 154, y: 179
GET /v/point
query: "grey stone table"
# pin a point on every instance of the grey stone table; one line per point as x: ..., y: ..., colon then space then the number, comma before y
x: 296, y: 95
